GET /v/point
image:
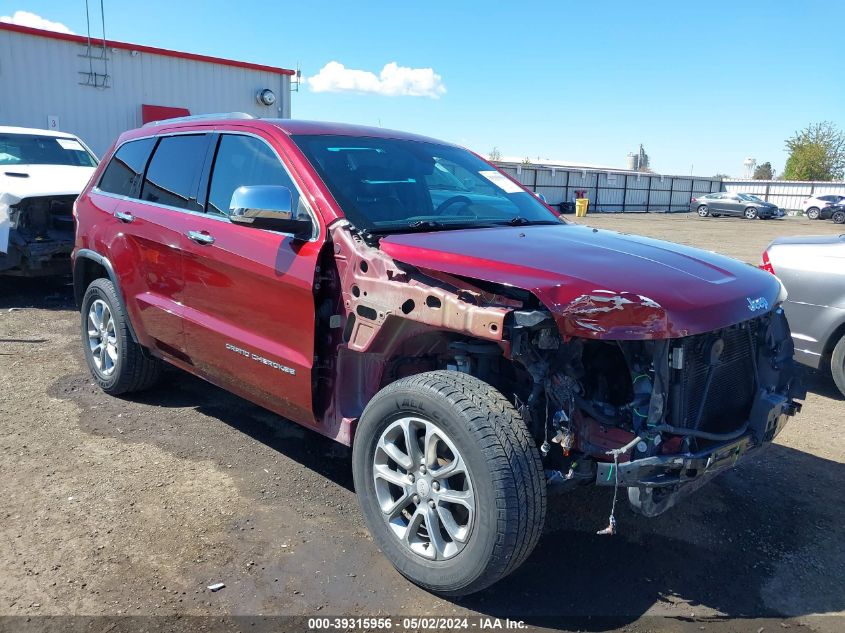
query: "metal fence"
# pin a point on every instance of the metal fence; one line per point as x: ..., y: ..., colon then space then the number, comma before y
x: 786, y: 194
x: 610, y: 190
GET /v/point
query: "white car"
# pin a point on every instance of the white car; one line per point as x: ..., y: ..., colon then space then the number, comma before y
x: 41, y: 174
x: 812, y: 206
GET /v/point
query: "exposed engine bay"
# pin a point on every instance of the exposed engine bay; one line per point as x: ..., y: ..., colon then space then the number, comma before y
x: 40, y: 237
x: 658, y: 416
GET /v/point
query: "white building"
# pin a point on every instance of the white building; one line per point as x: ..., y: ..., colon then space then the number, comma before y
x: 98, y: 88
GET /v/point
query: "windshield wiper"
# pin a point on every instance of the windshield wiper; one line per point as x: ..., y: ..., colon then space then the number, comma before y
x: 518, y: 220
x: 430, y: 224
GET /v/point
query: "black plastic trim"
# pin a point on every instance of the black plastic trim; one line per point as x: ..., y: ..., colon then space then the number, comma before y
x: 85, y: 253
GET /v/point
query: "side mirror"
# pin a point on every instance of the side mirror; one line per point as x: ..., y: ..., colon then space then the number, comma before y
x: 541, y: 197
x: 268, y: 207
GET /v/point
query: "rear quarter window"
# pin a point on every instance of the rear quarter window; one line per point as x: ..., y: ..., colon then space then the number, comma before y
x: 122, y: 175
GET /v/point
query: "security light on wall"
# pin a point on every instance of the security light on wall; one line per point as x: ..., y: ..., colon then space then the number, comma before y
x: 266, y: 97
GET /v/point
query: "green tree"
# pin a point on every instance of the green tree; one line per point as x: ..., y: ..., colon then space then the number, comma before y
x: 764, y: 172
x: 527, y: 161
x: 816, y: 153
x: 495, y: 154
x: 721, y: 177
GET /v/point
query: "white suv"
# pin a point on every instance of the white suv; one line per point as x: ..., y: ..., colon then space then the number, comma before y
x: 813, y: 205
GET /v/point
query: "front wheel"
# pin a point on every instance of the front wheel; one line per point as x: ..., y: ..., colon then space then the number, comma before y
x: 449, y: 480
x: 838, y: 217
x: 813, y: 213
x: 703, y: 211
x: 750, y: 213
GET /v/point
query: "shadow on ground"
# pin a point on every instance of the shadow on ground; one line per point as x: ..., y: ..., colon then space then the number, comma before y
x: 44, y: 293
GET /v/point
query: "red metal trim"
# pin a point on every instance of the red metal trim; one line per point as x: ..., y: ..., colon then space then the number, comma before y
x: 67, y: 37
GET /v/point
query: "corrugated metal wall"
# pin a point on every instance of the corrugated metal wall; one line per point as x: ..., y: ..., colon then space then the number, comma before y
x: 785, y: 194
x: 40, y: 77
x: 612, y: 191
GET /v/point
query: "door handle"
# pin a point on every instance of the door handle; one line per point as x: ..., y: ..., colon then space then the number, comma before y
x: 200, y: 237
x: 124, y: 217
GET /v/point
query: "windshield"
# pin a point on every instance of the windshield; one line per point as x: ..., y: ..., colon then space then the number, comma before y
x: 34, y: 149
x: 393, y: 185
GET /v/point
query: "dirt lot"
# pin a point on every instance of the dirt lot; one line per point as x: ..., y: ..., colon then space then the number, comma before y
x: 134, y: 506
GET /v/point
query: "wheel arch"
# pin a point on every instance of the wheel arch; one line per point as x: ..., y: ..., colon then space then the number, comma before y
x: 831, y: 341
x: 90, y: 265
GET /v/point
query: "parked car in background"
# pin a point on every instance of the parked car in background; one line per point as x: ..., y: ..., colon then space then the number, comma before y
x: 743, y: 205
x: 403, y: 296
x: 813, y: 205
x: 835, y: 212
x: 41, y: 174
x: 812, y: 268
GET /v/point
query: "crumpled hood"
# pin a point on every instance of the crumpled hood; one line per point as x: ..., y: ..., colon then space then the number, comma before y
x: 598, y: 283
x: 24, y: 181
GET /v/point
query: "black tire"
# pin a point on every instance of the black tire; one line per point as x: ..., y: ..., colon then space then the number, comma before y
x: 837, y: 365
x: 838, y: 217
x: 751, y: 213
x: 503, y: 464
x: 703, y: 211
x: 813, y: 213
x: 133, y: 369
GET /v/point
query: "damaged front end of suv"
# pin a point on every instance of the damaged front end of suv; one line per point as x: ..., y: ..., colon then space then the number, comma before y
x: 41, y: 174
x: 40, y: 234
x: 652, y: 392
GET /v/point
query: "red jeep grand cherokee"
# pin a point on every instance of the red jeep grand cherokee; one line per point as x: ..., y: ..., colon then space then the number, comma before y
x: 402, y: 296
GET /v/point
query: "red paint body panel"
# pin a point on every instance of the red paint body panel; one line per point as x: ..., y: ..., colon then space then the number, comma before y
x: 599, y: 284
x: 252, y: 290
x: 147, y: 259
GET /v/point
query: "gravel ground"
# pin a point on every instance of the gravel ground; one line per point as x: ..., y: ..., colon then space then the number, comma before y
x: 135, y: 505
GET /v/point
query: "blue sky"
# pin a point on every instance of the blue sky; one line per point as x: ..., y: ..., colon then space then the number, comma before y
x: 701, y: 85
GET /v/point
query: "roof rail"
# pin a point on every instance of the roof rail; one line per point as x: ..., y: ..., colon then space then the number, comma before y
x: 202, y: 117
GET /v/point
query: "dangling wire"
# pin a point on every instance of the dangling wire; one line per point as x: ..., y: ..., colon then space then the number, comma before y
x: 610, y: 530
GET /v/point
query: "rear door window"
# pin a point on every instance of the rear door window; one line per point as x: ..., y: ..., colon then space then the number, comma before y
x: 243, y: 161
x: 122, y: 175
x: 173, y: 175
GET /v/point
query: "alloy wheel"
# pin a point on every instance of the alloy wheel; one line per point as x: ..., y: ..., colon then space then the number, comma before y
x: 424, y: 488
x: 703, y: 211
x: 750, y: 213
x: 102, y: 339
x: 813, y: 213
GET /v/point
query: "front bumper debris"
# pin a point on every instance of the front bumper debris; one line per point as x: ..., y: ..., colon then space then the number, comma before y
x: 658, y: 482
x: 27, y: 258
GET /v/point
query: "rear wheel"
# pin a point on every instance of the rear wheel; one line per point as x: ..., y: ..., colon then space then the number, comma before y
x: 813, y: 213
x: 703, y: 211
x: 837, y: 365
x: 838, y: 217
x: 750, y: 213
x: 117, y: 363
x: 449, y: 480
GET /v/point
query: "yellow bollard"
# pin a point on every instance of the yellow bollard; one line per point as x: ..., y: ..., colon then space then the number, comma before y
x: 581, y: 206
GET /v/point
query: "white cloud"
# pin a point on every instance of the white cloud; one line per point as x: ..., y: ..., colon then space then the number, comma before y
x: 392, y: 81
x: 25, y: 18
